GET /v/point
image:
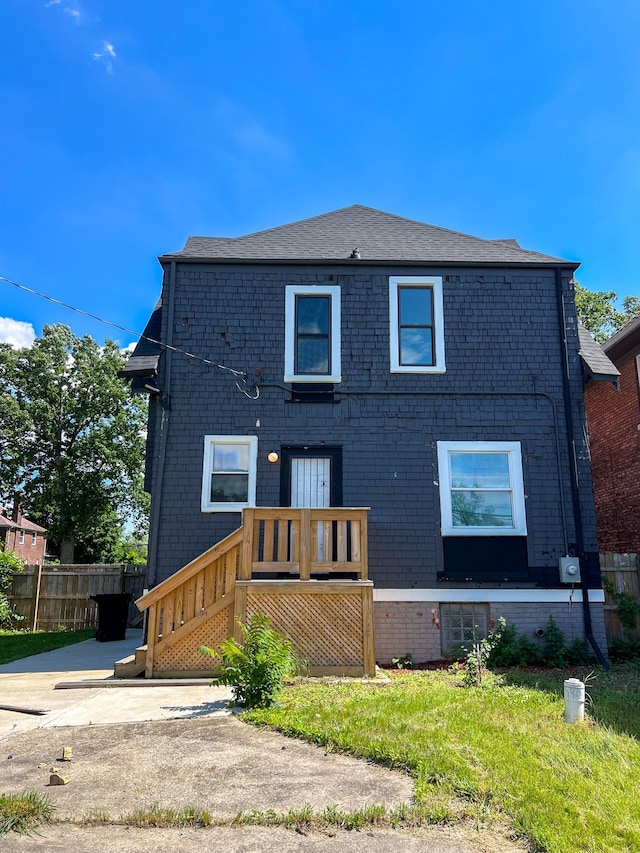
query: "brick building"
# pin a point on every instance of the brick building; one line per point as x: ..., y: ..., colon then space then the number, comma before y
x: 613, y: 417
x: 432, y: 376
x: 25, y: 538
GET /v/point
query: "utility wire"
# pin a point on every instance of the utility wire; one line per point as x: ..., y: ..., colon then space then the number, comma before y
x: 239, y: 373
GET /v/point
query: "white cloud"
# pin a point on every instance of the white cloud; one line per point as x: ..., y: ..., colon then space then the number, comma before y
x: 16, y: 332
x: 69, y: 7
x: 105, y: 55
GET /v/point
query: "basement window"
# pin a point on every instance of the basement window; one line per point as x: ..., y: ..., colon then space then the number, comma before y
x: 462, y: 625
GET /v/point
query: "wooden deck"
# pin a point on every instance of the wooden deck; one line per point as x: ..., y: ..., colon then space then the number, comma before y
x: 317, y: 593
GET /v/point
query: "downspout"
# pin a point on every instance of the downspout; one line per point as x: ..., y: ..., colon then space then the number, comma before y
x: 573, y: 471
x: 154, y: 522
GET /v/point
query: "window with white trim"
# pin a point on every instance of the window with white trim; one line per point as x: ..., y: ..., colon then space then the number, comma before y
x: 417, y: 324
x: 21, y: 540
x: 229, y: 473
x: 481, y: 488
x: 34, y: 539
x: 312, y: 334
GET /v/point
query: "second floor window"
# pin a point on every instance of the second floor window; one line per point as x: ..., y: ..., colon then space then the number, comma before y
x: 312, y: 338
x: 417, y: 332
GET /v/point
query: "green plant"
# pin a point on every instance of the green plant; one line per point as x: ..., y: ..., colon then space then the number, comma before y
x: 404, y: 661
x: 554, y: 648
x: 10, y: 563
x: 624, y: 649
x: 475, y: 660
x: 21, y: 812
x: 511, y: 649
x: 258, y: 667
x: 627, y: 607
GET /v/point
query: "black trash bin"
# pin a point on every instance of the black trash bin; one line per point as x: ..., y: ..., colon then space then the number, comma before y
x: 113, y: 613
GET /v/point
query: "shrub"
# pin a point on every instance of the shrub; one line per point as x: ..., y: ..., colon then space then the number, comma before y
x: 511, y: 649
x: 258, y: 667
x: 554, y: 648
x: 10, y: 563
x: 623, y: 649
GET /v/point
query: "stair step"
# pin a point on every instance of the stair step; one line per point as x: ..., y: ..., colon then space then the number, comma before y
x: 133, y: 665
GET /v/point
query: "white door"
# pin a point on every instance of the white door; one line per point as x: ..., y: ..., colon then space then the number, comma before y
x: 311, y: 487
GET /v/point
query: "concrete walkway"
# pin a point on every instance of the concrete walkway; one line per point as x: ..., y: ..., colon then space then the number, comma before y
x: 30, y: 684
x: 133, y: 747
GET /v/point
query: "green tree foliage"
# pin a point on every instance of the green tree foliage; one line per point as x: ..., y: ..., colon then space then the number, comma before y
x: 72, y: 439
x: 599, y: 314
x: 10, y: 563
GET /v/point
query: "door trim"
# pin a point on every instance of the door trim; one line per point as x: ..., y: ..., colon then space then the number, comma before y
x: 290, y: 451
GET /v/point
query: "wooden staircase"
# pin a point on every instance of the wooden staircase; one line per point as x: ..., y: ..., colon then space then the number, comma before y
x: 329, y: 620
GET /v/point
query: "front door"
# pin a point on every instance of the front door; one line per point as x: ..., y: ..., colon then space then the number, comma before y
x: 312, y: 477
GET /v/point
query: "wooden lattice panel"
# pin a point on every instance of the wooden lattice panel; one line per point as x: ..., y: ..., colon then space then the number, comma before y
x: 184, y: 656
x: 326, y: 630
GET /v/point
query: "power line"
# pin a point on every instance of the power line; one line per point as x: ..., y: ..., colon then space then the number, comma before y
x: 238, y: 373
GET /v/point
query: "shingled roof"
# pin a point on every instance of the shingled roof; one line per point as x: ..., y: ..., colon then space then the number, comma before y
x: 378, y: 235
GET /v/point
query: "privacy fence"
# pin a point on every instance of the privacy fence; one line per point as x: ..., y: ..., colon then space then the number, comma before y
x: 53, y: 597
x: 621, y: 572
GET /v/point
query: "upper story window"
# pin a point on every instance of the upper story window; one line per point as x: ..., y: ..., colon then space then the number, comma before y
x: 481, y: 488
x: 229, y: 473
x: 312, y: 334
x: 21, y: 540
x: 417, y: 328
x: 34, y: 539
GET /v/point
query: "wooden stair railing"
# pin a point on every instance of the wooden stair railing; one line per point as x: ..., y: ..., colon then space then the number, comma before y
x: 193, y: 595
x: 289, y: 542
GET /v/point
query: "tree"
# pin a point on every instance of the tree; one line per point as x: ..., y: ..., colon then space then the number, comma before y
x: 598, y: 313
x: 72, y: 438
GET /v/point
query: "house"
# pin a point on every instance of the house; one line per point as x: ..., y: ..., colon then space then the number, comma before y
x: 359, y: 359
x: 613, y: 417
x: 25, y: 538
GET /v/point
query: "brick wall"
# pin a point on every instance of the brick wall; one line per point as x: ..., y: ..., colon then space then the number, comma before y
x: 403, y: 627
x: 613, y: 419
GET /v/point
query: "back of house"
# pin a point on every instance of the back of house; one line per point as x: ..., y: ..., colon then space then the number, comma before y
x: 360, y: 359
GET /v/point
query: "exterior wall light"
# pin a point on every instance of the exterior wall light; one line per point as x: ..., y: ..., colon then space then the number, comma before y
x: 273, y: 456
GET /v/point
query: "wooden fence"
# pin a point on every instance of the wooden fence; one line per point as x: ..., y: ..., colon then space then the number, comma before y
x: 621, y: 570
x: 52, y: 597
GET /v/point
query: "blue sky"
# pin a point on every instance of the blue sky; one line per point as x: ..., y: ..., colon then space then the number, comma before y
x: 127, y: 126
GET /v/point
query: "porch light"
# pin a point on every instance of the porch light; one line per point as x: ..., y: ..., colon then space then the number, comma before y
x: 273, y: 456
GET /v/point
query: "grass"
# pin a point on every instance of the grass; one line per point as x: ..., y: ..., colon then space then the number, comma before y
x: 21, y: 812
x: 15, y: 645
x: 504, y: 748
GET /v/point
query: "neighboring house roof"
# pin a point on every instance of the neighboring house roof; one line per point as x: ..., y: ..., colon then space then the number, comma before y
x: 378, y: 235
x: 625, y: 340
x: 598, y: 366
x: 23, y: 524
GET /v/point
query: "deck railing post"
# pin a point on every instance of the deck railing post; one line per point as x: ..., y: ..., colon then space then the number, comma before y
x: 246, y: 558
x: 305, y: 544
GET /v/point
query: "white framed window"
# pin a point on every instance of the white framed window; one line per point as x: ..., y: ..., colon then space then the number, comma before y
x: 312, y: 334
x: 417, y: 324
x: 229, y: 472
x: 21, y: 540
x: 34, y: 540
x: 481, y: 488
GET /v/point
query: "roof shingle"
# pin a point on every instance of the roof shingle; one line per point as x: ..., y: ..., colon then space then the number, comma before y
x: 379, y: 236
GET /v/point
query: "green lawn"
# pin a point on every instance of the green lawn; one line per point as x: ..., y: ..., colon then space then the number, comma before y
x: 15, y: 645
x: 501, y: 749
